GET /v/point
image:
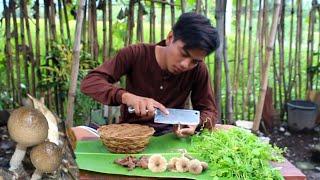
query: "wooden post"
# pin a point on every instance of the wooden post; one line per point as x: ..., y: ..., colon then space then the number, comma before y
x: 269, y: 50
x: 75, y: 65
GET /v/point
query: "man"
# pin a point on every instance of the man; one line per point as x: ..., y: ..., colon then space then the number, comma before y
x: 161, y: 76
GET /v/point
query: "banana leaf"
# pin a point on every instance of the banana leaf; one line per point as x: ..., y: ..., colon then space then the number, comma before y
x: 93, y: 156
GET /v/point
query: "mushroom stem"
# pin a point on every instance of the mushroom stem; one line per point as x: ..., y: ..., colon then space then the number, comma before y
x: 17, y: 157
x: 36, y: 175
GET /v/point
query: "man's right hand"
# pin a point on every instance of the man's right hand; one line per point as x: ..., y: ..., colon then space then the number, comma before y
x: 143, y: 106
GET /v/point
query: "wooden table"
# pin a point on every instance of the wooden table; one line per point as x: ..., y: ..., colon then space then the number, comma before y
x: 288, y: 170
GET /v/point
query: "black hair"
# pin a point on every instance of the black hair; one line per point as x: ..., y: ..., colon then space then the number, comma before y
x: 196, y: 31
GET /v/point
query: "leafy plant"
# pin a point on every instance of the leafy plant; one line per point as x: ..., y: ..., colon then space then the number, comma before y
x: 237, y: 154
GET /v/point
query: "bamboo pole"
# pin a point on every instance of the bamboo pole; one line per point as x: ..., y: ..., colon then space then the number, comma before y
x: 298, y: 50
x: 151, y: 25
x: 12, y: 6
x: 140, y: 23
x: 61, y: 21
x: 172, y: 12
x: 310, y: 49
x: 130, y: 23
x: 30, y: 54
x: 269, y: 49
x: 163, y: 17
x: 290, y: 80
x: 8, y: 54
x: 104, y: 30
x: 250, y: 60
x: 75, y: 65
x: 23, y: 47
x: 66, y: 19
x: 183, y: 6
x: 282, y: 79
x: 241, y: 61
x: 38, y: 61
x: 220, y: 19
x: 110, y: 27
x: 47, y: 49
x: 198, y: 6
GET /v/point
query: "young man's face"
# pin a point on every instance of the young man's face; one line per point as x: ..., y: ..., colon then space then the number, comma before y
x: 180, y: 59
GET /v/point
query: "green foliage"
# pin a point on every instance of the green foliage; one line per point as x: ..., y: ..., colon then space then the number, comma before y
x: 237, y: 154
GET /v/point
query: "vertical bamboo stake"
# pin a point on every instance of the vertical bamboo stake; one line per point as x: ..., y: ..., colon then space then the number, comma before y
x: 310, y: 49
x: 183, y: 6
x: 61, y: 21
x: 130, y: 23
x: 66, y: 18
x: 298, y: 50
x: 251, y: 58
x: 47, y: 47
x: 290, y: 81
x: 282, y: 79
x: 269, y: 49
x: 104, y: 30
x: 84, y: 27
x: 75, y: 65
x: 241, y: 60
x: 23, y: 47
x: 198, y: 6
x: 220, y: 19
x: 94, y: 36
x: 151, y: 20
x: 110, y: 27
x: 140, y: 23
x: 172, y: 12
x: 12, y: 6
x: 163, y: 17
x: 38, y: 61
x: 8, y: 53
x: 237, y: 56
x: 206, y: 8
x: 30, y: 50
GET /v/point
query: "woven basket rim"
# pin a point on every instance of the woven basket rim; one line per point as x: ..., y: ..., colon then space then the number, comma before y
x: 103, y: 131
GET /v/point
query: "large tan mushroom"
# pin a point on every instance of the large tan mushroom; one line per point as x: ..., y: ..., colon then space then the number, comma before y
x: 28, y: 127
x: 46, y: 158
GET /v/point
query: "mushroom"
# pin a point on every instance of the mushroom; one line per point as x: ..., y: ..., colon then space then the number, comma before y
x: 53, y: 132
x: 157, y: 163
x: 204, y: 165
x: 172, y: 164
x: 194, y: 166
x: 46, y: 158
x: 27, y: 127
x: 182, y: 164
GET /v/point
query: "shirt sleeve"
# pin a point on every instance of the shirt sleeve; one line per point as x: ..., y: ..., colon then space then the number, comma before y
x: 203, y: 99
x: 99, y: 83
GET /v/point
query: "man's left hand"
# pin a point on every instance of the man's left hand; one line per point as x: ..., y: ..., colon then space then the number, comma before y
x: 184, y: 130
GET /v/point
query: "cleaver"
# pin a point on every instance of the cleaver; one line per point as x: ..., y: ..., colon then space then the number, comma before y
x: 175, y: 116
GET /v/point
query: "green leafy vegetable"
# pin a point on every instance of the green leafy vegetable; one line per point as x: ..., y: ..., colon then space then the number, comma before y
x: 237, y: 154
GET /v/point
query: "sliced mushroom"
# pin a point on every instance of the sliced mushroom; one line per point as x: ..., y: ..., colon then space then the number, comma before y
x: 46, y: 158
x: 28, y: 127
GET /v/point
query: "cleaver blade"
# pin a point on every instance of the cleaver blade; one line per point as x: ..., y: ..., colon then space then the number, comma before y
x: 175, y: 116
x: 178, y: 116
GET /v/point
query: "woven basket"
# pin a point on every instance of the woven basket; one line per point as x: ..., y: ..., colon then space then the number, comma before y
x: 125, y: 138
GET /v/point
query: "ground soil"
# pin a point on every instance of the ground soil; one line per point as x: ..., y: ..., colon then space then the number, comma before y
x: 300, y: 149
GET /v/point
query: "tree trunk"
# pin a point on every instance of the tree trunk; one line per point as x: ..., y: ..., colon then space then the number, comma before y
x: 75, y: 65
x: 130, y: 23
x: 290, y: 80
x: 265, y: 71
x: 140, y: 23
x: 38, y: 61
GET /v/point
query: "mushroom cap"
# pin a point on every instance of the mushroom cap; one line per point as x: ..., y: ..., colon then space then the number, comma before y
x: 46, y: 157
x: 195, y: 166
x: 27, y: 126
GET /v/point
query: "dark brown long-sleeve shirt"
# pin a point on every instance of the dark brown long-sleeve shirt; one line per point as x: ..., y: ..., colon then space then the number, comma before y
x: 146, y: 78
